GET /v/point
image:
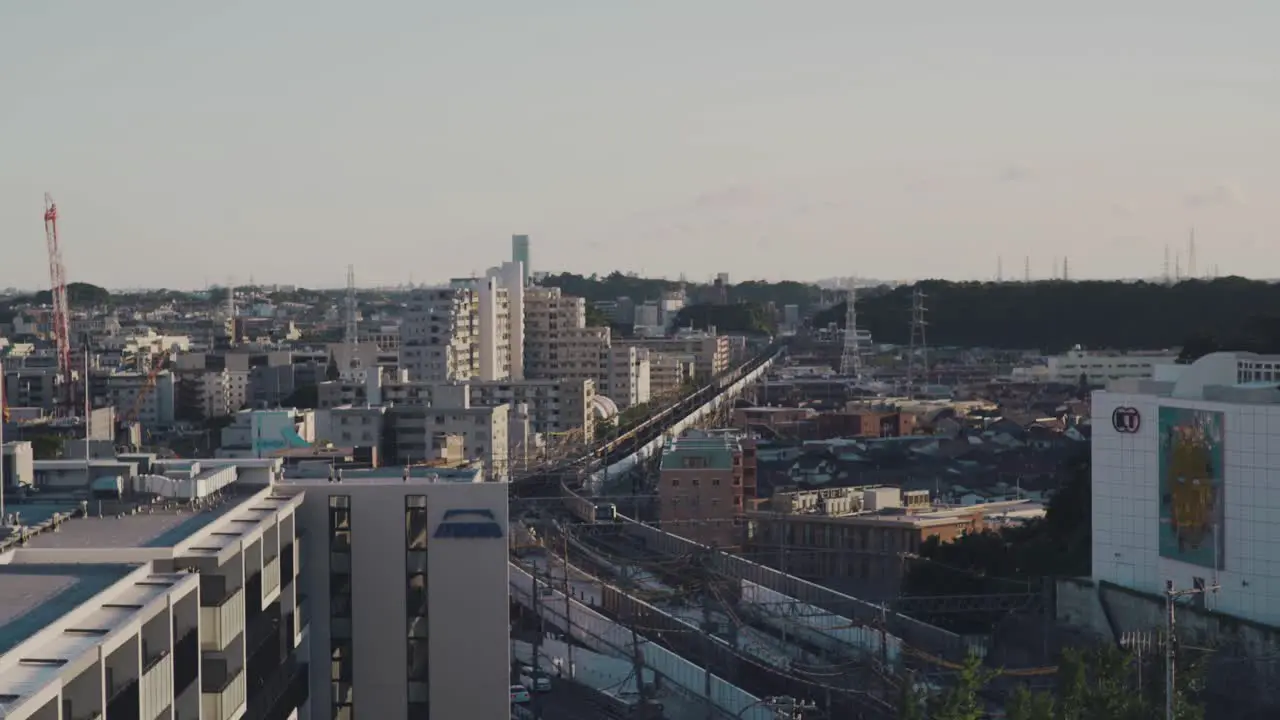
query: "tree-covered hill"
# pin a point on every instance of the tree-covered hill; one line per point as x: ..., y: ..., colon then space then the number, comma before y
x: 1055, y: 315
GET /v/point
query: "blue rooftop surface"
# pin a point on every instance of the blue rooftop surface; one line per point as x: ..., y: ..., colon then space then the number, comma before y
x: 156, y: 528
x: 34, y: 513
x: 182, y: 530
x: 32, y: 596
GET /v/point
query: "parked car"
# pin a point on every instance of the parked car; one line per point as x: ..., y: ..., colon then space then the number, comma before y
x: 519, y: 695
x: 534, y: 681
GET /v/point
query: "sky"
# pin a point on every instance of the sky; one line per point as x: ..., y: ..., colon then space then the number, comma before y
x: 281, y: 140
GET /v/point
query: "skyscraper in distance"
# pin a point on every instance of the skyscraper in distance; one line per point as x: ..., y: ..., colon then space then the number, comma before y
x: 520, y: 253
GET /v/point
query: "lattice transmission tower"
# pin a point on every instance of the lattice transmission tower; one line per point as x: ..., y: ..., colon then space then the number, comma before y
x: 918, y: 345
x: 851, y: 356
x: 351, y: 335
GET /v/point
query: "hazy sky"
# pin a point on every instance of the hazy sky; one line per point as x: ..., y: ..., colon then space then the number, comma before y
x: 191, y: 142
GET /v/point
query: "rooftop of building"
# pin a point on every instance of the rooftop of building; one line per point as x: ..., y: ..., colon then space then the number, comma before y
x: 155, y: 525
x: 389, y: 475
x: 73, y: 609
x: 34, y: 595
x: 717, y: 452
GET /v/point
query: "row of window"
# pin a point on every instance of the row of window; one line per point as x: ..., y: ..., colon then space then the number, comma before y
x: 418, y: 649
x: 697, y: 482
x: 341, y: 664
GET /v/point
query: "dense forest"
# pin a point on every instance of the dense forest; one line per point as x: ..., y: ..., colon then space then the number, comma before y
x: 597, y: 288
x: 1054, y: 315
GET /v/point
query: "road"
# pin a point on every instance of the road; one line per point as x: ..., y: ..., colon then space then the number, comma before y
x: 568, y: 701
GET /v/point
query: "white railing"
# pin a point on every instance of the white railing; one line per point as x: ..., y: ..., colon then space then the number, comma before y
x: 155, y: 692
x: 223, y: 705
x: 220, y: 625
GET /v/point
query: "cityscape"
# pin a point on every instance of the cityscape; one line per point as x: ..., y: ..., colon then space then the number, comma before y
x: 725, y: 360
x: 695, y: 503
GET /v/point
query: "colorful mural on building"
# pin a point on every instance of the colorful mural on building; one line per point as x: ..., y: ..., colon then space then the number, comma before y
x: 1192, y: 487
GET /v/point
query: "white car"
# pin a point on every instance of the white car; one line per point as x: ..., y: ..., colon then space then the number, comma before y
x: 519, y: 695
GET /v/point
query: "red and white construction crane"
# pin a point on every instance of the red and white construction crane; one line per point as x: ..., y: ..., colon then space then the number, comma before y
x: 61, y: 324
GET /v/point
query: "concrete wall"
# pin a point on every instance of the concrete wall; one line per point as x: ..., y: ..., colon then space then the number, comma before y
x: 1108, y: 612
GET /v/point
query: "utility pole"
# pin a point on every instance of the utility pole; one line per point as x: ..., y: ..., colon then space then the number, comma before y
x: 707, y: 626
x: 568, y: 602
x: 637, y: 656
x: 537, y: 639
x: 1171, y: 597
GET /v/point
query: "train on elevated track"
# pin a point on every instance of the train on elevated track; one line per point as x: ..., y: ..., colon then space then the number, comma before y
x: 606, y: 453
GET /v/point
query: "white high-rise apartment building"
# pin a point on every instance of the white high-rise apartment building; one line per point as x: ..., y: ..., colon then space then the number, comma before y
x: 439, y: 338
x: 559, y: 345
x: 471, y: 330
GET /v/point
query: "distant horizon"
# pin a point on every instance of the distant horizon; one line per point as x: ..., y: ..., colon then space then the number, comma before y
x: 861, y: 283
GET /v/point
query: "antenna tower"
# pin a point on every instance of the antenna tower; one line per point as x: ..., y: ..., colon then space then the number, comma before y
x: 1026, y: 269
x: 851, y: 357
x: 1191, y: 254
x: 1066, y: 273
x: 918, y: 344
x: 58, y: 289
x: 231, y: 311
x: 1168, y: 279
x: 352, y: 334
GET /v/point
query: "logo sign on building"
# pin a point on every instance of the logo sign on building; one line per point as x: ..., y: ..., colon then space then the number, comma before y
x: 468, y: 524
x: 1126, y: 420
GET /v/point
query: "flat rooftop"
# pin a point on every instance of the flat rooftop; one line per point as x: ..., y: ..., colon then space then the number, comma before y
x: 390, y: 475
x: 31, y: 669
x: 152, y: 526
x: 32, y: 596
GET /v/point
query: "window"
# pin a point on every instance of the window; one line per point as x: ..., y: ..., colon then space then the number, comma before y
x: 416, y: 607
x: 341, y: 664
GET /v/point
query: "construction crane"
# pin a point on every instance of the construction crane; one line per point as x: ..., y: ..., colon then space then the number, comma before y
x: 60, y: 324
x: 146, y: 389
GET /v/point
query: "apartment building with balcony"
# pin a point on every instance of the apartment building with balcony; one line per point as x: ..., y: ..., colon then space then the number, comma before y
x: 439, y: 336
x: 559, y: 345
x: 669, y: 372
x: 177, y: 599
x: 710, y: 352
x: 132, y: 391
x: 417, y: 433
x: 706, y: 478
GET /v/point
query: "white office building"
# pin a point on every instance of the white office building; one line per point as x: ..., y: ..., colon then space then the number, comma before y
x: 1185, y: 487
x: 407, y: 579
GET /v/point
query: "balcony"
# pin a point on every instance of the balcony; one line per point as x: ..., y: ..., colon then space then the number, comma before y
x: 278, y: 696
x: 186, y: 659
x: 123, y: 704
x: 156, y: 689
x: 270, y: 577
x: 222, y: 697
x: 223, y: 622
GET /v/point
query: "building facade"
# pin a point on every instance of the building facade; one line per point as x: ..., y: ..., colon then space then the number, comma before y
x: 705, y: 480
x: 1184, y: 487
x: 438, y: 646
x: 439, y: 337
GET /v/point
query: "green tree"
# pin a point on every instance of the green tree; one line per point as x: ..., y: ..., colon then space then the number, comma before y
x: 1026, y: 705
x: 47, y: 447
x: 961, y: 701
x: 910, y: 705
